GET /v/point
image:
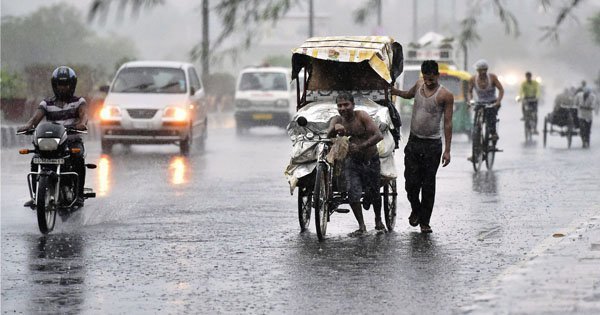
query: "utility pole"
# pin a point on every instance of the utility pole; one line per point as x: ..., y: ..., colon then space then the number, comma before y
x: 311, y: 17
x: 379, y: 13
x: 415, y: 24
x: 436, y: 16
x: 205, y: 40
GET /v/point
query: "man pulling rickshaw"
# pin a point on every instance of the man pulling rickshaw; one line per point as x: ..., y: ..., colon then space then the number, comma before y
x: 346, y: 90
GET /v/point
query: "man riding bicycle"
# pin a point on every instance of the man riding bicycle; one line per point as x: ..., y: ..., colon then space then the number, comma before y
x: 485, y: 85
x: 530, y: 94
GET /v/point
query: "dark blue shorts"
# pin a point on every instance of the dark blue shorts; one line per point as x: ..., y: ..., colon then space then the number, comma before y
x: 362, y: 176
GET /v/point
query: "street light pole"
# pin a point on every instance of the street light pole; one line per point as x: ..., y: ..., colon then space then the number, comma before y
x: 311, y: 15
x: 415, y: 23
x: 205, y: 40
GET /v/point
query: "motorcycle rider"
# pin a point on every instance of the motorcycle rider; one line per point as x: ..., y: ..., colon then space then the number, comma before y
x: 530, y: 94
x: 68, y: 110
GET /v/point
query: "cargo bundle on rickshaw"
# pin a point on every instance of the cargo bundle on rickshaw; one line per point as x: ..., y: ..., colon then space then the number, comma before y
x: 365, y: 66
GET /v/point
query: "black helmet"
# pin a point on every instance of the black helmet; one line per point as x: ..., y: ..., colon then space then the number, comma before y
x: 64, y: 76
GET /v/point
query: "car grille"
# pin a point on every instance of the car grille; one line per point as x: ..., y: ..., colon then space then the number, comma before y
x: 141, y: 113
x: 264, y: 103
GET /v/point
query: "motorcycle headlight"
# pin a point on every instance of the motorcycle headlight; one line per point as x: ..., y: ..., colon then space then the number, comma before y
x: 175, y: 113
x: 282, y: 103
x: 48, y: 144
x: 310, y: 135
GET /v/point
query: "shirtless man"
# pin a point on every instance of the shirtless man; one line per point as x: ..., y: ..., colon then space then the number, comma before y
x: 361, y: 168
x: 424, y: 148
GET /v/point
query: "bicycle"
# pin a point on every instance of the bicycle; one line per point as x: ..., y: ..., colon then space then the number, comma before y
x: 529, y: 117
x: 328, y: 191
x: 484, y: 146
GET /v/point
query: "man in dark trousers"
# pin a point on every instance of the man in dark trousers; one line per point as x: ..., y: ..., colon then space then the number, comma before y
x: 424, y: 148
x: 361, y: 168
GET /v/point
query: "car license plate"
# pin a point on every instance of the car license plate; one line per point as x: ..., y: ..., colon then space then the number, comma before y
x: 142, y: 124
x: 48, y: 161
x: 262, y: 116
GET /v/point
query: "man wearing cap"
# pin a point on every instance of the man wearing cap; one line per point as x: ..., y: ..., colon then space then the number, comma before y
x: 485, y: 85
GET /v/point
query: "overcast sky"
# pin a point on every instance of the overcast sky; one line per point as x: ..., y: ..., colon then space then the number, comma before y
x: 171, y: 30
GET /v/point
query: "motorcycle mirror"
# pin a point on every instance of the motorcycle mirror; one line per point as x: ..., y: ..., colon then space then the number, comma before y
x: 302, y: 121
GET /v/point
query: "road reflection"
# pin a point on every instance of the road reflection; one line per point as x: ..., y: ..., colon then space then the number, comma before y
x: 485, y: 182
x: 104, y: 175
x: 58, y: 271
x: 177, y: 170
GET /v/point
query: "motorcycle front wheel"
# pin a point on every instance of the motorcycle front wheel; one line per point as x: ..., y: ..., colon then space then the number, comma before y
x: 45, y: 205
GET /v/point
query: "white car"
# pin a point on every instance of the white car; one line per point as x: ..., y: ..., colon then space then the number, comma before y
x: 154, y: 102
x: 264, y: 96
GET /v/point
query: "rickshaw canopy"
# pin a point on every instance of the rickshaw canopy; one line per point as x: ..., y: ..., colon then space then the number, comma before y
x: 382, y: 53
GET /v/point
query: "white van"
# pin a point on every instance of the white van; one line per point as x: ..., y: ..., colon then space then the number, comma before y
x: 410, y: 75
x: 264, y: 96
x: 154, y: 102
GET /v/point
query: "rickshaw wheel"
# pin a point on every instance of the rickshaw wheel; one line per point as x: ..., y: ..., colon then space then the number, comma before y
x: 304, y: 207
x: 570, y: 127
x: 320, y: 201
x: 389, y: 203
x: 545, y: 130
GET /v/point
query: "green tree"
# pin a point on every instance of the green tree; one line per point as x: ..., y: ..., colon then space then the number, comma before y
x: 595, y: 27
x: 241, y: 17
x: 11, y: 85
x: 57, y: 35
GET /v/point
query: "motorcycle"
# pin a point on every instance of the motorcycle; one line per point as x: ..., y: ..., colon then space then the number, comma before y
x: 54, y: 186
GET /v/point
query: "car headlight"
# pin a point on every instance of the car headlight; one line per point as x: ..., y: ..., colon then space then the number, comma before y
x: 48, y: 144
x: 175, y: 113
x: 110, y: 112
x: 282, y: 103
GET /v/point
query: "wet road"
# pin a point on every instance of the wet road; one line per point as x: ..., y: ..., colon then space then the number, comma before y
x: 218, y: 232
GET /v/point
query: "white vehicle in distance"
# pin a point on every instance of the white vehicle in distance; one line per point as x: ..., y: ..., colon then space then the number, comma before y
x: 154, y: 102
x: 264, y: 96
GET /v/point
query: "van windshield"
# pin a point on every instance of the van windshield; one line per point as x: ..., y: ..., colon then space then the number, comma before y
x: 410, y: 78
x: 263, y: 81
x: 150, y: 80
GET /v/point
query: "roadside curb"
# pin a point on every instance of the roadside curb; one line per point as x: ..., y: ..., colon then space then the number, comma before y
x: 538, y: 284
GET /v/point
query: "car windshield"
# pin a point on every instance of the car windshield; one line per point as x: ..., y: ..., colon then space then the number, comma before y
x: 150, y: 80
x: 263, y: 81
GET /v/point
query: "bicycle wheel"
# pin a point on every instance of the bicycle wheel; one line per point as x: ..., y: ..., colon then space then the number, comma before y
x: 45, y: 206
x: 304, y: 207
x: 389, y: 204
x: 490, y: 150
x: 528, y: 129
x: 320, y: 201
x: 477, y: 144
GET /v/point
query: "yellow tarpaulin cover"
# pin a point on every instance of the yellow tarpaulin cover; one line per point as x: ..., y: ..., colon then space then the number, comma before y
x: 376, y: 49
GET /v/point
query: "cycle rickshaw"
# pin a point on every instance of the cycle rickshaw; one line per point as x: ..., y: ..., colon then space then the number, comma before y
x: 562, y: 121
x: 366, y: 66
